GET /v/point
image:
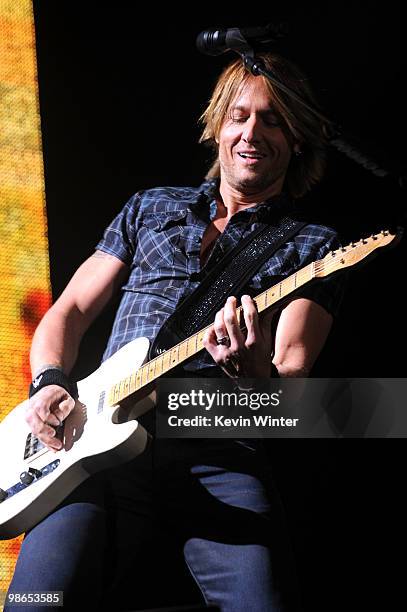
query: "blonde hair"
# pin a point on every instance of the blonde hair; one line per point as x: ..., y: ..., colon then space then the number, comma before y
x: 307, y: 130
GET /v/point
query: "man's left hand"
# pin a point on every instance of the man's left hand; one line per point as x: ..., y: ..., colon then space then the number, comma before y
x: 241, y: 354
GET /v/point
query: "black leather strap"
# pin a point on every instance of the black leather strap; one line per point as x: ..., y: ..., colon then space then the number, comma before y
x: 227, y: 277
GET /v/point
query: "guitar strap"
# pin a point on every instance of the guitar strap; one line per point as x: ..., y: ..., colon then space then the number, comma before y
x: 228, y: 277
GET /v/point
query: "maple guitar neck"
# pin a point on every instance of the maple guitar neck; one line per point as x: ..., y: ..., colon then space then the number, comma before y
x: 334, y: 261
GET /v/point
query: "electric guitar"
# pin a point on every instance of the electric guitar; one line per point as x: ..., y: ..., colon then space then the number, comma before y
x: 102, y: 430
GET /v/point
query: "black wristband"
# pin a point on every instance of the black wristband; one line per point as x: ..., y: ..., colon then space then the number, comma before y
x: 52, y: 376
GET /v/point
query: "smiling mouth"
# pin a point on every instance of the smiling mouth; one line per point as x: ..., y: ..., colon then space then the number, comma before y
x: 251, y: 160
x: 252, y: 156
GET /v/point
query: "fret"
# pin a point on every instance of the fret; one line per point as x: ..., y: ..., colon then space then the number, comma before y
x: 287, y: 286
x: 151, y: 370
x: 174, y: 355
x: 199, y: 339
x: 139, y: 383
x: 304, y: 275
x: 121, y: 390
x: 261, y: 301
x: 271, y: 296
x: 144, y: 375
x: 116, y: 393
x: 300, y: 277
x: 133, y: 384
x: 159, y: 366
x: 166, y: 361
x: 191, y: 346
x: 183, y: 351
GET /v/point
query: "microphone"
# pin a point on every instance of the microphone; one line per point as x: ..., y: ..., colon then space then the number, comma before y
x: 217, y: 41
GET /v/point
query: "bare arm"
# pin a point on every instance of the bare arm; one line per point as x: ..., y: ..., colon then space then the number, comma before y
x: 301, y: 333
x: 57, y: 338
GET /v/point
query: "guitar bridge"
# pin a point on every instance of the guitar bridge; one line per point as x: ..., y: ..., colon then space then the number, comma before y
x: 33, y: 445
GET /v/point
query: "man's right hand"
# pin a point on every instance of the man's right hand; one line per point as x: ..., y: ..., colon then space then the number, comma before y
x: 46, y: 410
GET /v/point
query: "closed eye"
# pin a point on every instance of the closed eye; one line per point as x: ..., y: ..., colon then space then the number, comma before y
x: 269, y: 121
x: 272, y: 122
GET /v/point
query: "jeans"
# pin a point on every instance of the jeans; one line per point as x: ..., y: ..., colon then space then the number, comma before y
x: 188, y: 521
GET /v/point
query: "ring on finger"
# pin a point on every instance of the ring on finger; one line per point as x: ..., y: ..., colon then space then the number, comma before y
x: 223, y: 340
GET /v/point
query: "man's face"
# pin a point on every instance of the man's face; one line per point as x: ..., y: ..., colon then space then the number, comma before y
x: 253, y: 149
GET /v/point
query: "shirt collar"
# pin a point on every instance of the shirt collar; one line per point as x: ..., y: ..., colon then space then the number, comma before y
x: 272, y: 208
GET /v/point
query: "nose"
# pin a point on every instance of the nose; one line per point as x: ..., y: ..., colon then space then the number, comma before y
x: 251, y: 130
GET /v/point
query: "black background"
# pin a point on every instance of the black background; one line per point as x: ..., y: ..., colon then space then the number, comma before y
x: 120, y: 95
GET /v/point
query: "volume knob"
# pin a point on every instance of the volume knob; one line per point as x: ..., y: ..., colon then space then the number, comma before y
x: 26, y: 478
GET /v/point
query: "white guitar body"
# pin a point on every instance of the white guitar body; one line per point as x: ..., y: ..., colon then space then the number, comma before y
x: 95, y: 435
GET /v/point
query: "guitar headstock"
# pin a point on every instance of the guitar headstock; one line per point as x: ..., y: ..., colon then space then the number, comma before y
x: 355, y: 252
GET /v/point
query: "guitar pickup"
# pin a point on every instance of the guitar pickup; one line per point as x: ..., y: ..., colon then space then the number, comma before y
x: 33, y: 445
